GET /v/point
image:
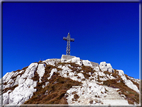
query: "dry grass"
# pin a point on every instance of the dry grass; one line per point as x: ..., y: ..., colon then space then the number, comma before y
x: 13, y: 78
x: 115, y: 73
x: 98, y: 79
x: 54, y: 92
x: 5, y: 83
x: 135, y: 83
x: 86, y: 70
x: 24, y: 68
x: 73, y: 67
x: 130, y: 94
x: 39, y: 61
x: 17, y: 70
x: 107, y: 72
x: 75, y: 97
x: 72, y: 64
x: 36, y: 76
x: 9, y: 88
x: 91, y: 102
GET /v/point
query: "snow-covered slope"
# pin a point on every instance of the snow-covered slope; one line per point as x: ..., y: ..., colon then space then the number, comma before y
x: 70, y: 80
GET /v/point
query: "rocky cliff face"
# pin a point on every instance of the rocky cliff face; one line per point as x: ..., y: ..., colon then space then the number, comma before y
x: 69, y: 80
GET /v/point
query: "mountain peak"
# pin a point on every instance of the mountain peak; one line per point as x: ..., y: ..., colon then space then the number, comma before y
x: 69, y: 80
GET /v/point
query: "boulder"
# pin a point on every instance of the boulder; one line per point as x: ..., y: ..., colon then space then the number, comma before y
x: 106, y: 67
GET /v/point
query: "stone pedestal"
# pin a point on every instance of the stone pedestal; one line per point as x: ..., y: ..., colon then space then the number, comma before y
x: 66, y: 57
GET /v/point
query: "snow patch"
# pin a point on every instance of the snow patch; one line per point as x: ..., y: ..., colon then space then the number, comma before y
x: 128, y: 82
x: 22, y: 92
x: 40, y: 71
x: 25, y: 87
x: 89, y: 93
x: 17, y: 80
x: 50, y: 62
x: 45, y: 84
x: 51, y: 73
x: 29, y: 73
x: 87, y: 63
x: 109, y: 67
x: 120, y: 72
x: 7, y: 76
x: 76, y: 60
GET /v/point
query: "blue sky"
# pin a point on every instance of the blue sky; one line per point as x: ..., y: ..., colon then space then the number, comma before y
x: 102, y: 31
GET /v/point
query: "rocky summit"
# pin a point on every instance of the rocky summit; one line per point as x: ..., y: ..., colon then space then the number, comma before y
x: 69, y: 81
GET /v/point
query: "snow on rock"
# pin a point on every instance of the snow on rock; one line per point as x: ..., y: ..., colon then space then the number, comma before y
x: 76, y: 60
x: 7, y: 76
x: 66, y: 68
x: 89, y: 91
x: 23, y: 92
x: 106, y: 67
x: 120, y: 72
x: 21, y: 81
x: 109, y: 67
x: 29, y: 73
x: 81, y: 75
x: 52, y: 71
x: 51, y: 61
x: 101, y: 73
x: 87, y: 63
x: 103, y: 66
x: 96, y: 68
x: 129, y: 83
x: 110, y: 76
x: 40, y: 71
x: 135, y: 80
x: 25, y: 87
x: 8, y: 79
x: 17, y: 80
x: 6, y: 97
x: 67, y: 72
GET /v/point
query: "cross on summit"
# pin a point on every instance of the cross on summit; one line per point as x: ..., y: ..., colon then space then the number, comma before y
x: 68, y: 39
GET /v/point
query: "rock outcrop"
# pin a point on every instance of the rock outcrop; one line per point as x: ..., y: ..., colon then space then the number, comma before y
x: 71, y: 81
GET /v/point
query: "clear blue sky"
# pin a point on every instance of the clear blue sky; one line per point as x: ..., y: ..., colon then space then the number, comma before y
x: 102, y: 32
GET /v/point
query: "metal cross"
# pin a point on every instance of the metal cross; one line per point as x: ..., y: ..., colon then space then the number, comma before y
x: 68, y: 39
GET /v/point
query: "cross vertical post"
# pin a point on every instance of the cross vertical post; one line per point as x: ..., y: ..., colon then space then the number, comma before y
x: 68, y: 39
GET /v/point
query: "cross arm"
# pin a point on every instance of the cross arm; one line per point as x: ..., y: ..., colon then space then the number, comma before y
x: 64, y: 38
x: 72, y: 39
